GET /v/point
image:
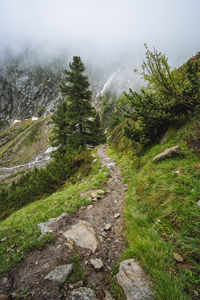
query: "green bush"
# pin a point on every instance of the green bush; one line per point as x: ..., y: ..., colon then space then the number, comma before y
x: 169, y: 98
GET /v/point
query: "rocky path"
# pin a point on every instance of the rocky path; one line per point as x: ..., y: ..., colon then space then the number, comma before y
x: 94, y: 233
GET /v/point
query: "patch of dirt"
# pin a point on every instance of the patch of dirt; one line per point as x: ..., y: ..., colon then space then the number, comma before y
x: 29, y: 275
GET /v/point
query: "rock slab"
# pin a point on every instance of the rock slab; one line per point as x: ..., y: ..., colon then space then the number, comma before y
x: 45, y: 227
x: 169, y: 152
x: 83, y: 293
x: 83, y: 235
x: 60, y: 273
x: 134, y: 281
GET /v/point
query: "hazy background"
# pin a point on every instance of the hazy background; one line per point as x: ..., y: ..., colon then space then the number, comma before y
x: 102, y: 32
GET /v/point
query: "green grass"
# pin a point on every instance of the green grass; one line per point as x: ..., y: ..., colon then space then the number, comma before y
x: 21, y: 229
x: 78, y: 273
x: 162, y: 216
x: 34, y: 134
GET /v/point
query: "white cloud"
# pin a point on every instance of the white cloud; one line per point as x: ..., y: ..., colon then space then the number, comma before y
x: 103, y: 29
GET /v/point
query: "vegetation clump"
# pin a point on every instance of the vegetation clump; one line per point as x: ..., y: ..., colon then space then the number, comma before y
x: 169, y: 98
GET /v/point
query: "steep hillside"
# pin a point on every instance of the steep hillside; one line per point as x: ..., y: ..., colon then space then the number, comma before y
x: 23, y: 146
x: 28, y: 88
x: 162, y: 212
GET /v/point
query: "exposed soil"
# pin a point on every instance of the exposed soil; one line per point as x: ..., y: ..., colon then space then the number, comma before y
x: 29, y: 275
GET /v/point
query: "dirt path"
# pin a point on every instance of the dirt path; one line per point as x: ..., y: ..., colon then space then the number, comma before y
x: 29, y: 275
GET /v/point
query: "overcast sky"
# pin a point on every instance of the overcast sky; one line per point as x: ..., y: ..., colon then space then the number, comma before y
x: 106, y: 29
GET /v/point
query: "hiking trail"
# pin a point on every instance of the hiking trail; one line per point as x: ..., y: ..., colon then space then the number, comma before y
x: 105, y: 230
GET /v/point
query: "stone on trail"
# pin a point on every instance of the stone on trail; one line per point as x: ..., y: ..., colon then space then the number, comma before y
x: 60, y: 273
x: 83, y: 293
x: 134, y: 281
x: 169, y: 152
x: 97, y: 263
x: 107, y: 227
x: 91, y: 192
x: 116, y: 216
x: 45, y: 227
x: 83, y: 235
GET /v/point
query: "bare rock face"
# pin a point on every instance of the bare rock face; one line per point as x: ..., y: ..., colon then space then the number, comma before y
x: 83, y: 293
x: 83, y: 235
x: 134, y: 281
x: 169, y: 152
x: 60, y: 273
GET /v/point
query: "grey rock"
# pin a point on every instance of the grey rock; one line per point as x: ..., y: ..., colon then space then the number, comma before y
x: 97, y: 263
x: 116, y: 216
x: 134, y: 281
x: 83, y: 293
x: 60, y: 273
x: 169, y: 152
x: 83, y: 235
x: 45, y: 227
x: 107, y: 227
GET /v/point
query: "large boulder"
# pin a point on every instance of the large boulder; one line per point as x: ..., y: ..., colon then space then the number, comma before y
x: 83, y: 235
x: 169, y: 152
x: 134, y: 281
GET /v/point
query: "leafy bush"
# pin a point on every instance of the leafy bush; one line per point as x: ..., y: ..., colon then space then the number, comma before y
x: 170, y: 97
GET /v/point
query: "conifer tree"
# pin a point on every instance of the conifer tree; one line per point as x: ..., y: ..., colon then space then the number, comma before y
x: 75, y: 118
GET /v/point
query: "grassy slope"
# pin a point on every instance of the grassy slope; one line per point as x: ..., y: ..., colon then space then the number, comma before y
x: 21, y: 141
x: 21, y: 230
x: 162, y: 216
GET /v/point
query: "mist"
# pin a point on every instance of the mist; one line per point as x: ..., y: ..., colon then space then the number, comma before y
x: 102, y: 32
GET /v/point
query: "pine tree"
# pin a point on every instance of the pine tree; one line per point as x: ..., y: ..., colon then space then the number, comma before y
x: 75, y: 118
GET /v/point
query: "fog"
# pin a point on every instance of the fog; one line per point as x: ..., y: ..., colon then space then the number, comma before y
x: 102, y: 32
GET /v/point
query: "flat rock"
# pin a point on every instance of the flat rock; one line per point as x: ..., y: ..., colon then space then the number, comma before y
x: 116, y: 216
x: 134, y: 281
x: 60, y: 273
x: 169, y: 152
x: 45, y: 227
x: 90, y: 192
x: 83, y: 293
x: 107, y: 227
x: 83, y: 235
x: 97, y: 263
